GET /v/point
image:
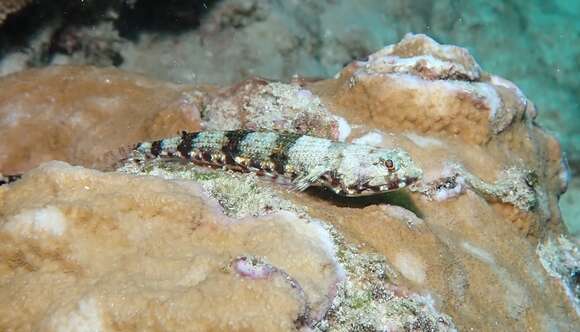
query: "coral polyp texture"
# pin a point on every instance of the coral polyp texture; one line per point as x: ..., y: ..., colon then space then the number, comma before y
x: 105, y: 239
x: 471, y: 104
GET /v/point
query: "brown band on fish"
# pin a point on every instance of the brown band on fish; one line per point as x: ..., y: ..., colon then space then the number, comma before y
x: 231, y: 147
x: 347, y: 169
x: 6, y: 179
x: 279, y: 155
x: 184, y: 147
x: 156, y: 148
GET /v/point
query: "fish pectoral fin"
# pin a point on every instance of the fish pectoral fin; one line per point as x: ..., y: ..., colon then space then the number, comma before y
x: 307, y: 180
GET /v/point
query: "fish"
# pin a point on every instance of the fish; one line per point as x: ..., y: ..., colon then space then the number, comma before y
x: 301, y: 160
x: 6, y: 179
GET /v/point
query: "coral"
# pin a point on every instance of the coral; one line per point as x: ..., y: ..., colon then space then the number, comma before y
x: 370, y: 300
x: 514, y: 186
x: 421, y: 56
x: 469, y: 105
x: 239, y: 196
x: 280, y: 39
x: 169, y: 244
x: 135, y: 271
x: 367, y: 279
x: 61, y: 109
x: 438, y: 98
x: 258, y: 104
x: 561, y: 258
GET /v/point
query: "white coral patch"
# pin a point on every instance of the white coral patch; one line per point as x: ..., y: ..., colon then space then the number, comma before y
x: 500, y: 81
x: 13, y: 113
x: 374, y: 138
x: 396, y: 64
x: 444, y: 194
x: 14, y: 62
x: 109, y: 104
x: 304, y: 94
x: 49, y: 220
x: 320, y: 236
x: 447, y: 192
x: 401, y: 214
x: 197, y: 273
x: 344, y: 128
x: 328, y: 245
x: 492, y: 98
x: 433, y: 61
x: 483, y: 91
x: 252, y: 270
x: 85, y: 318
x: 516, y: 296
x: 478, y: 253
x: 565, y: 176
x: 424, y: 141
x: 411, y: 267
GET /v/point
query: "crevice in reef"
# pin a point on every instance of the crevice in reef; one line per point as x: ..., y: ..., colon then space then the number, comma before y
x: 398, y: 198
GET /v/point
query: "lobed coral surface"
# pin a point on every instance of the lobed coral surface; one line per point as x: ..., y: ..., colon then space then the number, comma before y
x: 165, y: 245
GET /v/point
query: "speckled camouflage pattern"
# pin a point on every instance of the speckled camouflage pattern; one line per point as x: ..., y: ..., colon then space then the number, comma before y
x: 347, y: 169
x: 5, y: 179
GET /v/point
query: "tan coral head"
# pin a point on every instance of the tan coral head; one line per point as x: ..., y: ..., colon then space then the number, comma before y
x: 366, y: 170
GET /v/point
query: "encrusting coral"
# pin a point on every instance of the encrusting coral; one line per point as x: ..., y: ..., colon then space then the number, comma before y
x: 561, y: 258
x: 162, y: 244
x: 471, y: 104
x: 258, y: 104
x: 98, y: 119
x: 366, y: 292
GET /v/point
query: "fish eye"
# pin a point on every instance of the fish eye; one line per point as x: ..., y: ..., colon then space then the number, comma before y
x: 390, y: 165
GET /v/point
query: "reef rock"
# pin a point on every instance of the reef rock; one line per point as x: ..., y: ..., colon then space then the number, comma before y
x: 445, y: 82
x: 258, y: 104
x: 477, y: 244
x: 76, y: 113
x: 159, y: 255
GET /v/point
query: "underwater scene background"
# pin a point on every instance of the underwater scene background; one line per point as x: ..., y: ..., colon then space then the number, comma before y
x: 533, y: 43
x: 417, y: 165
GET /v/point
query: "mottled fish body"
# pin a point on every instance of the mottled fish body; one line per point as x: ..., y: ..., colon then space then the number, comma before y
x: 5, y: 179
x: 347, y: 169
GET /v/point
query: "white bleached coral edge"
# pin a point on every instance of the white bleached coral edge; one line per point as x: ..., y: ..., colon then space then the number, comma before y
x: 85, y: 317
x: 48, y: 220
x: 428, y: 59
